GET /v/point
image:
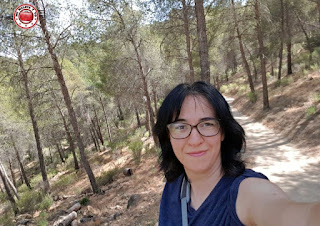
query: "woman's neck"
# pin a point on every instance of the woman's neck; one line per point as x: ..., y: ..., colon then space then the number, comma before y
x: 202, y: 185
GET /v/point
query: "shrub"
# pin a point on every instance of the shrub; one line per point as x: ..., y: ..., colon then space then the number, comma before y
x: 7, y: 219
x: 46, y: 202
x: 107, y: 177
x: 42, y: 220
x: 316, y: 98
x: 311, y: 111
x: 252, y: 97
x: 29, y: 200
x: 64, y: 181
x: 136, y: 148
x: 3, y: 197
x: 84, y: 201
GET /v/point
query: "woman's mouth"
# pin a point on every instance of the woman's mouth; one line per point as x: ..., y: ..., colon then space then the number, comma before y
x: 197, y: 153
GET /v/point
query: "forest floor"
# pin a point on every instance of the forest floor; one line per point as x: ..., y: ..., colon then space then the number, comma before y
x: 282, y: 142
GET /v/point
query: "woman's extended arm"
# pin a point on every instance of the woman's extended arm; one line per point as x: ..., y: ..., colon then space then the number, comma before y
x: 263, y: 203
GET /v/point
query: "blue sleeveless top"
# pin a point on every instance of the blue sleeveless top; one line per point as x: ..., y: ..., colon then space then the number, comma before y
x: 219, y: 208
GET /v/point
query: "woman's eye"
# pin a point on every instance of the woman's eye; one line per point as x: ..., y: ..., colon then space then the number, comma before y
x: 180, y: 127
x: 207, y: 124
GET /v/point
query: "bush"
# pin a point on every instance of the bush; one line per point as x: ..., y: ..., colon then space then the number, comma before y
x: 64, y: 181
x: 29, y: 201
x: 284, y: 82
x: 136, y: 148
x: 42, y: 220
x: 3, y: 197
x: 316, y: 98
x: 7, y: 219
x: 311, y: 111
x: 252, y: 97
x: 46, y: 202
x: 84, y: 201
x: 107, y: 177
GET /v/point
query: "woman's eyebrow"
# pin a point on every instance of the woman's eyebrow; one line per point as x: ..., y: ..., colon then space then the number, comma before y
x: 200, y: 120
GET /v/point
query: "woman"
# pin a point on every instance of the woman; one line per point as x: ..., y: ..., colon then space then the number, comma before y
x: 207, y: 183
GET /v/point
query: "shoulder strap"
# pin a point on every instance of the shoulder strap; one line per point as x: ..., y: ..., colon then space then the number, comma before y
x: 185, y: 198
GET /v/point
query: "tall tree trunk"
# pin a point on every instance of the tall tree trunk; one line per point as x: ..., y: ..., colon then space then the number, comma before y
x: 94, y: 139
x: 138, y: 118
x: 148, y: 122
x: 59, y: 152
x: 243, y: 55
x: 98, y: 126
x: 10, y: 184
x: 23, y: 172
x: 106, y: 118
x: 12, y: 173
x: 262, y: 56
x: 120, y: 113
x: 281, y: 39
x: 155, y: 100
x: 10, y: 196
x: 190, y: 76
x: 34, y: 123
x: 67, y: 100
x: 288, y: 39
x: 202, y: 40
x: 70, y: 141
x: 145, y: 89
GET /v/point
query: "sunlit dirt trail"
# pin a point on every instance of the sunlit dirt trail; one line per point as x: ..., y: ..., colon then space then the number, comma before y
x: 284, y: 164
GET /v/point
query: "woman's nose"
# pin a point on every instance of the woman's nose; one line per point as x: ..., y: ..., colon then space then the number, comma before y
x: 195, y: 137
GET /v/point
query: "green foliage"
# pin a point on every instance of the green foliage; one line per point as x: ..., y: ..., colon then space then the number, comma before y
x: 3, y: 197
x: 252, y: 97
x: 316, y: 98
x: 29, y: 201
x: 107, y: 177
x: 42, y: 220
x: 7, y: 219
x: 136, y: 148
x: 311, y: 111
x: 64, y: 181
x: 35, y: 180
x: 46, y: 202
x: 284, y: 82
x: 23, y: 188
x: 84, y: 201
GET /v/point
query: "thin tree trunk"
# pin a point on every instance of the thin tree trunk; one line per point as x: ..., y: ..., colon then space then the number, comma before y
x: 202, y: 40
x: 120, y: 113
x: 148, y: 122
x: 67, y: 100
x: 262, y: 57
x: 155, y: 100
x: 96, y: 144
x: 34, y: 123
x: 138, y: 118
x: 288, y: 41
x: 12, y: 173
x: 59, y: 152
x: 106, y: 118
x: 10, y: 196
x: 190, y: 76
x: 243, y: 55
x: 98, y: 126
x: 68, y: 133
x: 10, y: 184
x: 281, y: 39
x: 23, y: 172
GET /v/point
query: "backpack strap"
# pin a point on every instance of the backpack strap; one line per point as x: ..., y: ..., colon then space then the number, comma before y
x: 185, y: 198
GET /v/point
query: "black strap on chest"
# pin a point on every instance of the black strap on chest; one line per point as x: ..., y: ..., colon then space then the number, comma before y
x: 185, y: 198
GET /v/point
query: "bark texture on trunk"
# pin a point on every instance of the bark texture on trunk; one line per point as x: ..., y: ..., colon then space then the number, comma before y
x: 68, y: 103
x: 23, y: 172
x: 243, y: 55
x: 10, y: 196
x: 288, y: 39
x: 281, y: 40
x: 262, y: 56
x: 34, y: 123
x: 106, y: 118
x: 203, y: 41
x: 190, y: 75
x: 12, y: 173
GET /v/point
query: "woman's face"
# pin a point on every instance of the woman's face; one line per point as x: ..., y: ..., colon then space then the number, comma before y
x: 198, y: 154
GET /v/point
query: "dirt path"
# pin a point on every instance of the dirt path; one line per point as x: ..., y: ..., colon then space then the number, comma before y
x: 284, y: 164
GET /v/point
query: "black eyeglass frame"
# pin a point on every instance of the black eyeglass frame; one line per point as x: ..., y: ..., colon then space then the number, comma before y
x: 194, y: 126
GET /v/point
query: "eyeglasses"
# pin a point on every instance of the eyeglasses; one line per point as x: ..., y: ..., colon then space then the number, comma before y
x: 181, y: 130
